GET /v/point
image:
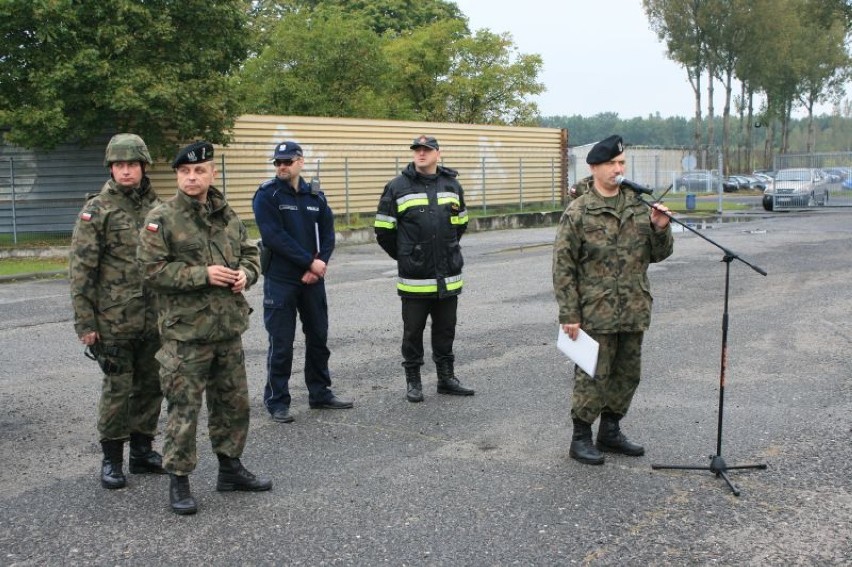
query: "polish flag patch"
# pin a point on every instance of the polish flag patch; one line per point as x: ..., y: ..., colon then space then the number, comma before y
x: 152, y: 227
x: 86, y: 216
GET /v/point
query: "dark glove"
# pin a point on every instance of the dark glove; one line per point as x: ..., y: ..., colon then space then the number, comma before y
x: 104, y: 357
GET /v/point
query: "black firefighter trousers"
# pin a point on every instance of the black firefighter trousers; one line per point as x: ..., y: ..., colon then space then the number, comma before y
x: 415, y: 311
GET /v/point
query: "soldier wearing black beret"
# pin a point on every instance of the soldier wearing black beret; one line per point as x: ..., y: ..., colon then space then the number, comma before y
x: 195, y: 254
x: 197, y: 152
x: 605, y: 242
x: 605, y: 150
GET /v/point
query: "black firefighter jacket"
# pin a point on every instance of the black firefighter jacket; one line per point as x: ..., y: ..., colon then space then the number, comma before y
x: 419, y: 223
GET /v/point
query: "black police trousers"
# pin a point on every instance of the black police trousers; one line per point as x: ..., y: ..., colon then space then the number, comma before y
x: 415, y: 311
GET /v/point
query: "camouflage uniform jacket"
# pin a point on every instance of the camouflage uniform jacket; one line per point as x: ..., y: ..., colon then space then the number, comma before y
x: 107, y: 290
x: 600, y: 263
x: 580, y: 188
x: 181, y: 238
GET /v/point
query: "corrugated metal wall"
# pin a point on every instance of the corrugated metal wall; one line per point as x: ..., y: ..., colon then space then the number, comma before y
x: 498, y: 165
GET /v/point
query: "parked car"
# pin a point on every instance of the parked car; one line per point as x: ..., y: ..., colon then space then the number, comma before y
x: 831, y: 176
x: 755, y: 183
x: 735, y: 183
x: 797, y: 187
x: 842, y: 173
x: 703, y: 180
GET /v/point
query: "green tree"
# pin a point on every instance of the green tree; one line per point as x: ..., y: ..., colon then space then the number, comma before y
x: 825, y: 62
x: 488, y: 82
x: 681, y: 24
x: 343, y: 67
x: 73, y: 70
x: 317, y: 63
x: 394, y: 17
x: 419, y: 64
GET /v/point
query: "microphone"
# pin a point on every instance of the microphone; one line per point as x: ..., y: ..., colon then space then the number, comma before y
x: 641, y: 189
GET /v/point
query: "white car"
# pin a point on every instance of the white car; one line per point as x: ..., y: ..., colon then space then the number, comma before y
x: 796, y: 187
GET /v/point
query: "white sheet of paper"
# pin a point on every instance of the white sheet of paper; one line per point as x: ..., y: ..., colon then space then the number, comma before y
x: 583, y: 351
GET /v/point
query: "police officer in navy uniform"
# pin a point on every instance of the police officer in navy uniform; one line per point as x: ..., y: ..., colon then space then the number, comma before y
x: 297, y: 232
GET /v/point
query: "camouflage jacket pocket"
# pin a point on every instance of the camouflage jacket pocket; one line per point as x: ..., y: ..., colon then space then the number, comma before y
x: 122, y: 315
x: 187, y: 324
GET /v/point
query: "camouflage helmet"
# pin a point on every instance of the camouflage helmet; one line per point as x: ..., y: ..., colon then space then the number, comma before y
x: 126, y: 147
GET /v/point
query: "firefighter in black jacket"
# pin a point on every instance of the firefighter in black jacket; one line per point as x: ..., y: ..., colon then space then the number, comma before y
x: 419, y: 223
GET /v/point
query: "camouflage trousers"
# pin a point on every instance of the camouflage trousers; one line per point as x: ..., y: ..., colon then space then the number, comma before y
x: 130, y: 395
x: 187, y: 371
x: 616, y: 379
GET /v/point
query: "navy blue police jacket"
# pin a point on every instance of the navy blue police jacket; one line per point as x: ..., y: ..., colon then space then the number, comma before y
x: 290, y: 223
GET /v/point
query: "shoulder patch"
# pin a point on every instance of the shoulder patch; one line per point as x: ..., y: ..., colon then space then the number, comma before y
x: 152, y: 227
x: 86, y: 216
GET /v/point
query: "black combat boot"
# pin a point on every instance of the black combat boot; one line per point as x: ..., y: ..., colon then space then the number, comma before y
x: 143, y: 459
x: 582, y: 448
x: 612, y: 440
x: 180, y: 497
x: 415, y: 386
x: 112, y: 475
x: 447, y: 381
x: 234, y: 476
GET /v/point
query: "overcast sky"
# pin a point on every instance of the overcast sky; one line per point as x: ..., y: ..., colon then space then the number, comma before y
x: 599, y: 56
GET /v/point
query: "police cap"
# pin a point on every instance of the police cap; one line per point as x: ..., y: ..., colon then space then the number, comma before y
x: 287, y: 150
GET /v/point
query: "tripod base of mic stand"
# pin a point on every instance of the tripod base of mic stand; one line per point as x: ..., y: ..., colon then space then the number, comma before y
x: 718, y: 467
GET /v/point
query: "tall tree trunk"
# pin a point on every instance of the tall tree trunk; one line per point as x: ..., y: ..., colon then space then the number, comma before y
x: 785, y: 127
x: 768, y: 145
x: 711, y: 130
x: 695, y: 82
x: 811, y: 145
x: 749, y: 137
x: 726, y: 123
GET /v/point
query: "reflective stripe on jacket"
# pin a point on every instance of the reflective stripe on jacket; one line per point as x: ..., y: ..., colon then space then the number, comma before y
x: 419, y: 223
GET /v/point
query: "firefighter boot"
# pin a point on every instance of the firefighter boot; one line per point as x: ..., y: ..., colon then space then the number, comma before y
x: 447, y: 381
x: 414, y: 393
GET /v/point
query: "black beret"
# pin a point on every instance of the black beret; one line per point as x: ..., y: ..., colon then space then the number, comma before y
x: 605, y: 150
x: 197, y: 152
x: 425, y: 142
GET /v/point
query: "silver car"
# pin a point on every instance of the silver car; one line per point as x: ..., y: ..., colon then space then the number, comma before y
x: 796, y: 187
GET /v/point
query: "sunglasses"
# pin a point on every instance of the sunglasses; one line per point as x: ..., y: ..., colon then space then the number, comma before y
x: 284, y: 162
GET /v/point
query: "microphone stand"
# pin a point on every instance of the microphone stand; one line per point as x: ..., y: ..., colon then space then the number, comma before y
x: 718, y: 466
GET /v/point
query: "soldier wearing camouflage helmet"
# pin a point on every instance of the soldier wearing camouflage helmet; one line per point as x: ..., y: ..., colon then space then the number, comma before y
x: 114, y: 313
x: 605, y: 241
x: 195, y: 253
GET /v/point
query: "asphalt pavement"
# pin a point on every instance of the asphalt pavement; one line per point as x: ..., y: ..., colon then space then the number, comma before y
x: 484, y: 480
